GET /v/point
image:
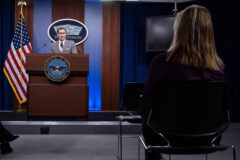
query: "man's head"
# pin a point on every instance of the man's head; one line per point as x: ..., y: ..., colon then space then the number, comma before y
x: 61, y: 34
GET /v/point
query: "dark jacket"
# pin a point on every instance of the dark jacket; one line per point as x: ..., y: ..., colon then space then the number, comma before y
x: 162, y: 70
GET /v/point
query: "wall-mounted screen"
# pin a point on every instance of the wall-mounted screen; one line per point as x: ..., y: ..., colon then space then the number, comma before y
x: 159, y: 33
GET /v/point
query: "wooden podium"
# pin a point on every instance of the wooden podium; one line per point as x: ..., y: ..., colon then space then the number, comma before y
x: 67, y: 98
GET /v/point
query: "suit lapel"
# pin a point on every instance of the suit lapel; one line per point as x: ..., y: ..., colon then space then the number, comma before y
x: 58, y: 51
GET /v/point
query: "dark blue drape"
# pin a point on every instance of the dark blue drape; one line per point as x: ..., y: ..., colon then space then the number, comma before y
x: 134, y: 60
x: 6, y: 33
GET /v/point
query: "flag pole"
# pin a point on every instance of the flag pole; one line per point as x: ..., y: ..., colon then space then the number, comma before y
x: 21, y: 3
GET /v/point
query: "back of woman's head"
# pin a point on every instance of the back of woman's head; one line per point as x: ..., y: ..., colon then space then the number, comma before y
x: 193, y: 42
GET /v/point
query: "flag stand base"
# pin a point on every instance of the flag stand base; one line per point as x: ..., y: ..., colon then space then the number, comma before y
x: 20, y: 108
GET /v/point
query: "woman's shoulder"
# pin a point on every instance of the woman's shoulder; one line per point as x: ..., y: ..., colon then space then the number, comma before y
x: 213, y: 74
x: 161, y: 57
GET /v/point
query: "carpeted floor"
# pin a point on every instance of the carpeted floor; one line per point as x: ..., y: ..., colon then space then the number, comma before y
x: 98, y: 147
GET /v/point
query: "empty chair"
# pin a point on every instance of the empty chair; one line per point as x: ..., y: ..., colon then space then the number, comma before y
x: 130, y: 103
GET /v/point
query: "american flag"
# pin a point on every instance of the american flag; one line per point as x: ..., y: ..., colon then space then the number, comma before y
x: 15, y: 63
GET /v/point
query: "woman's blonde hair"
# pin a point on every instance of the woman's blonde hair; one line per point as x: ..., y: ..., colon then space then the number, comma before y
x: 193, y: 42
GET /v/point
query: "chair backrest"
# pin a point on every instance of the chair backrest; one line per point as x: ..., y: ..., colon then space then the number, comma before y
x: 131, y: 97
x: 190, y: 108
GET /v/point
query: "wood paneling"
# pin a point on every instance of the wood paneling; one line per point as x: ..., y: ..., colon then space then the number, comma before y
x: 110, y: 56
x: 69, y: 80
x: 69, y: 9
x: 58, y: 100
x: 28, y: 17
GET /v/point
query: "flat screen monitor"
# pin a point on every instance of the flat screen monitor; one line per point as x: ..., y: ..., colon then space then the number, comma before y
x: 159, y: 33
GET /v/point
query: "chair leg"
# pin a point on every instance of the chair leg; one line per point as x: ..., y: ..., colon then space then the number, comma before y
x: 118, y: 142
x: 138, y: 149
x: 234, y: 152
x: 169, y: 156
x: 119, y: 145
x: 120, y: 139
x: 206, y: 156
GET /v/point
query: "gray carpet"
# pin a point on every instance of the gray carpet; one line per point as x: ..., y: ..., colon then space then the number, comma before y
x: 68, y: 147
x: 98, y: 147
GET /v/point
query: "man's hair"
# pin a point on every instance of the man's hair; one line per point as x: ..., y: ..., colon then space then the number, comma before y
x: 193, y: 43
x: 61, y: 28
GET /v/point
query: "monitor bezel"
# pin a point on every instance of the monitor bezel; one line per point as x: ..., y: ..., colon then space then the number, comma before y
x: 146, y: 43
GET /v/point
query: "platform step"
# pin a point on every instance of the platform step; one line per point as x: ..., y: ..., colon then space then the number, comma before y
x: 70, y: 127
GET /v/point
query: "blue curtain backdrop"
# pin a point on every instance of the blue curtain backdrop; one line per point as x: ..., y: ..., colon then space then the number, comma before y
x: 6, y: 33
x: 134, y: 59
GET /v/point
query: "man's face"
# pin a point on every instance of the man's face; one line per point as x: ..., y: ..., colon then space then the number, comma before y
x: 61, y: 34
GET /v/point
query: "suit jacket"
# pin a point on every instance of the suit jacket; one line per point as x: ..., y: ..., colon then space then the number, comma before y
x: 68, y: 48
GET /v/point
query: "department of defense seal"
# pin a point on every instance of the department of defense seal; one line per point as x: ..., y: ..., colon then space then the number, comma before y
x: 57, y: 68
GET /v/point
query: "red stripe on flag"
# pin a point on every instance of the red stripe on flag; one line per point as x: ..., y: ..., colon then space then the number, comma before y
x: 18, y: 67
x: 24, y: 51
x: 18, y: 64
x: 16, y: 77
x: 12, y: 82
x: 19, y: 55
x: 29, y: 48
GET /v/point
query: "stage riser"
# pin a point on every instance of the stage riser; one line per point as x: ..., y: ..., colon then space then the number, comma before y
x: 92, y: 116
x: 57, y: 127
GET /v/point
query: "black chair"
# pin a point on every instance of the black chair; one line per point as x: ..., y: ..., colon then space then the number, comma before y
x: 186, y: 113
x: 130, y: 104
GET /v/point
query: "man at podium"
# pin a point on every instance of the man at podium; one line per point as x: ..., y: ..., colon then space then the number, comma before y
x: 63, y: 45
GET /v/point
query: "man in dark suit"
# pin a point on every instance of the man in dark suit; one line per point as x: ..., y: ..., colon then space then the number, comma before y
x: 63, y: 45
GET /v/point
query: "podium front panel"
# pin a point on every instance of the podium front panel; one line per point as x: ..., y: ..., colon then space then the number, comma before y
x: 67, y: 98
x: 58, y: 100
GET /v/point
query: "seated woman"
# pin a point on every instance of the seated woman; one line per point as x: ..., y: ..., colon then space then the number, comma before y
x: 191, y: 56
x: 5, y: 138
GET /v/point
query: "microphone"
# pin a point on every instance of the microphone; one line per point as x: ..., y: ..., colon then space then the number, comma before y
x: 44, y: 45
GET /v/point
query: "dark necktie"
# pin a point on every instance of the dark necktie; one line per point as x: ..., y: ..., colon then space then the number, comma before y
x: 61, y: 44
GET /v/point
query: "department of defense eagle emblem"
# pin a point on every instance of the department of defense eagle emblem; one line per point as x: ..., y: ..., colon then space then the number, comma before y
x: 57, y: 68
